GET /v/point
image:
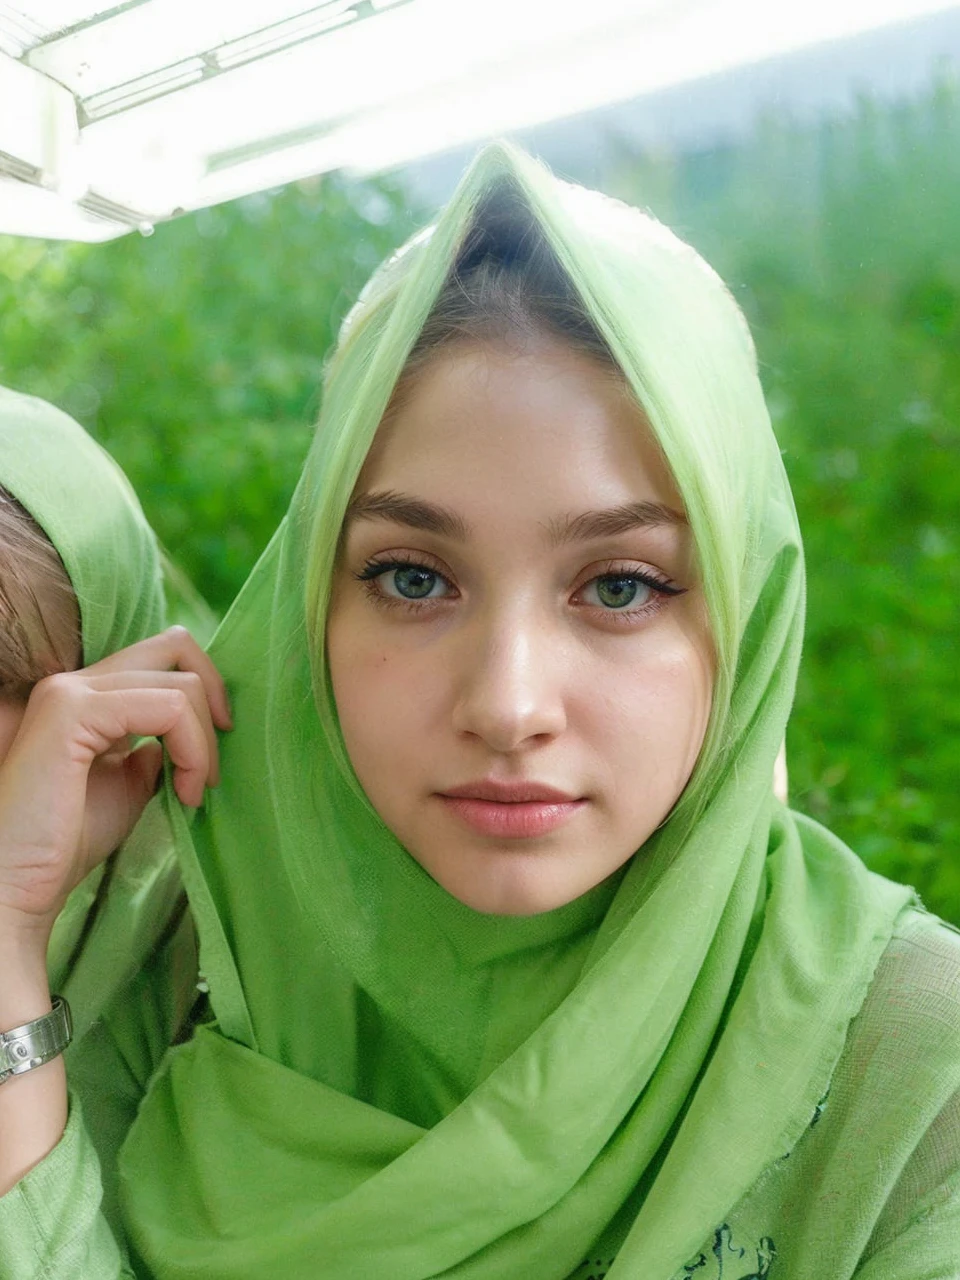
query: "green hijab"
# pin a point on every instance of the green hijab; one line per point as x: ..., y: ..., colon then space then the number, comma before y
x: 84, y: 504
x: 395, y: 1085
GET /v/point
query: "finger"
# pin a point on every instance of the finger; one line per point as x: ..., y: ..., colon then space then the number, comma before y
x: 184, y: 736
x: 188, y: 682
x: 143, y: 768
x: 117, y: 793
x: 92, y: 719
x: 173, y: 649
x: 55, y: 773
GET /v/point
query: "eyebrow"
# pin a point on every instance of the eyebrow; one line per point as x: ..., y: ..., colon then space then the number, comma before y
x: 433, y: 518
x: 605, y: 524
x: 413, y: 512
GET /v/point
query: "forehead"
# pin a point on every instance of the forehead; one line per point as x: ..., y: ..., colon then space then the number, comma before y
x: 543, y: 426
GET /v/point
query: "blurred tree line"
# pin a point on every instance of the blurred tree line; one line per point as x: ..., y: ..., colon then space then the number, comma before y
x: 196, y: 355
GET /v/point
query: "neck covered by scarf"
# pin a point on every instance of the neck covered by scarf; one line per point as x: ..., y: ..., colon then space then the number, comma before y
x: 398, y: 1086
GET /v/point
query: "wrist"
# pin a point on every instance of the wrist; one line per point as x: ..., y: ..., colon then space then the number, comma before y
x: 24, y: 989
x: 24, y: 934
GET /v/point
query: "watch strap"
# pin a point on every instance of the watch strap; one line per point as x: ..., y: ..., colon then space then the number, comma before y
x: 36, y: 1042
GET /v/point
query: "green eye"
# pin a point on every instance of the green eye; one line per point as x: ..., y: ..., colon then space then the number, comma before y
x: 413, y: 582
x: 616, y: 592
x: 395, y: 580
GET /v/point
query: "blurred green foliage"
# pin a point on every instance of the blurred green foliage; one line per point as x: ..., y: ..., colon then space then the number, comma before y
x: 841, y: 240
x: 195, y: 356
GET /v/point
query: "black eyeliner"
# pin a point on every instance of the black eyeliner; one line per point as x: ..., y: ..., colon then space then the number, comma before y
x: 374, y: 568
x: 655, y: 584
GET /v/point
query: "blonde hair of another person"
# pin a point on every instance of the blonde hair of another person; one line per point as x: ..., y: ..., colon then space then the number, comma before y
x: 39, y: 614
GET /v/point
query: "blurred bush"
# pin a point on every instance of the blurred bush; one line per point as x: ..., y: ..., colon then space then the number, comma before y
x: 195, y: 355
x: 841, y: 242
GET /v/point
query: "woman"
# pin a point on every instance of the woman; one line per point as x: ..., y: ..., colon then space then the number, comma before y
x: 80, y: 583
x: 515, y: 965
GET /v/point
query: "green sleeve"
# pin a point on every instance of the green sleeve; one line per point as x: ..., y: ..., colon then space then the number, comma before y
x: 918, y: 1236
x: 132, y: 984
x: 51, y: 1223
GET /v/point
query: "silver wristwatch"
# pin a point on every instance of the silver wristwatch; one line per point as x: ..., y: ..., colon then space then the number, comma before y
x: 35, y: 1042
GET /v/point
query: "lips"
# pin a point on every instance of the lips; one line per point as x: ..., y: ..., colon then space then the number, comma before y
x: 509, y: 792
x: 510, y: 810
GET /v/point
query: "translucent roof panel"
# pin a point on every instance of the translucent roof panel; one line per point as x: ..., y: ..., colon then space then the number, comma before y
x: 121, y: 115
x: 24, y: 26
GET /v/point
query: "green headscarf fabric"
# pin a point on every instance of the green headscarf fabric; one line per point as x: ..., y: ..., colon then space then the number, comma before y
x: 398, y: 1086
x: 84, y: 504
x: 86, y: 507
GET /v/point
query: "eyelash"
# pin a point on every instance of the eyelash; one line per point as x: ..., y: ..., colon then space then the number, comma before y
x: 375, y: 569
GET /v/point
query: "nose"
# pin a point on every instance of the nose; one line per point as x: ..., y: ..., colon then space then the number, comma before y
x: 510, y: 691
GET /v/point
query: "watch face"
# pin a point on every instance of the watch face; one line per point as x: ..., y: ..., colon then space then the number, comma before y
x: 19, y: 1052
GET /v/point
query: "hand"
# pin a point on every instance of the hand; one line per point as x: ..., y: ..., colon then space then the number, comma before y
x: 71, y: 789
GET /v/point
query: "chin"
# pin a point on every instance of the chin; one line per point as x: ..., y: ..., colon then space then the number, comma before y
x: 528, y: 890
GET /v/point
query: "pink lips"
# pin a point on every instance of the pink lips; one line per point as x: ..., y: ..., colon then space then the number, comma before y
x: 511, y: 810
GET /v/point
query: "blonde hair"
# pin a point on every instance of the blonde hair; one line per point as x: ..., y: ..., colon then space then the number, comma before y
x: 39, y: 614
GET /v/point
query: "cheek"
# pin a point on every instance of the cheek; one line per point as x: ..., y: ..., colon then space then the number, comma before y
x: 382, y: 694
x: 689, y: 698
x: 686, y: 675
x: 648, y: 715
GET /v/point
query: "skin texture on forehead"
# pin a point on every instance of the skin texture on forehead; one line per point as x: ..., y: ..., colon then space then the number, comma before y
x: 514, y: 670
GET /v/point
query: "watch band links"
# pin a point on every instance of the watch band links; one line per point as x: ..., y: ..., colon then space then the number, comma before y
x: 34, y: 1043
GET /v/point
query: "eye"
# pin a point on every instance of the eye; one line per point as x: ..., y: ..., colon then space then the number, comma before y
x: 413, y: 582
x: 617, y: 591
x: 398, y: 580
x: 629, y: 594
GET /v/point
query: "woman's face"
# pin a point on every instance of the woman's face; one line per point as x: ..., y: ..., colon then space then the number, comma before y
x: 517, y: 640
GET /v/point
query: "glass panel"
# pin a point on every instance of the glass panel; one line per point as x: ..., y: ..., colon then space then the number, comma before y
x: 23, y: 26
x: 188, y: 103
x: 161, y: 33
